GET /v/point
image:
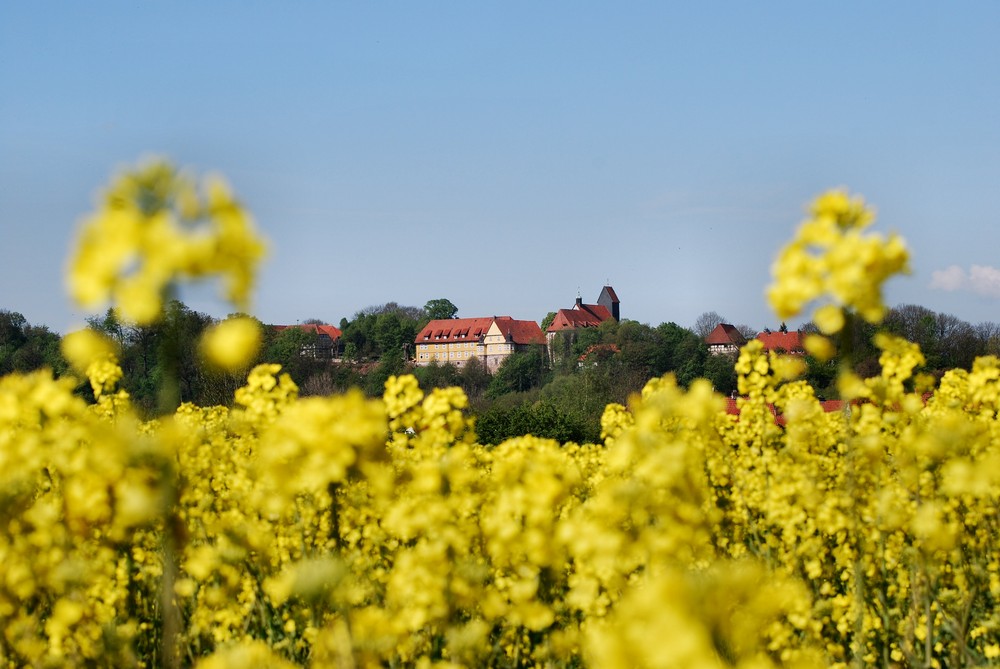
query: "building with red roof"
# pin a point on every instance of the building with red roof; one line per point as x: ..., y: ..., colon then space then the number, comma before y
x: 725, y: 339
x: 782, y: 342
x: 327, y: 343
x: 596, y: 353
x: 828, y: 406
x: 585, y: 315
x: 491, y: 340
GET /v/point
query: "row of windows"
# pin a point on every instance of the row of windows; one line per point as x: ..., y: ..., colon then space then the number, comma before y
x: 447, y: 347
x: 499, y: 342
x: 452, y: 355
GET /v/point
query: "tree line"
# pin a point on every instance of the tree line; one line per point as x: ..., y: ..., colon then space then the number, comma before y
x: 559, y: 392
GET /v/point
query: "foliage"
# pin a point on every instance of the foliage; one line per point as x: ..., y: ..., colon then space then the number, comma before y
x: 376, y: 331
x: 539, y: 419
x: 285, y: 348
x: 389, y: 365
x: 547, y: 321
x: 947, y: 342
x: 474, y: 378
x: 520, y: 371
x: 438, y: 375
x: 720, y: 372
x: 25, y: 347
x: 707, y: 322
x: 440, y: 309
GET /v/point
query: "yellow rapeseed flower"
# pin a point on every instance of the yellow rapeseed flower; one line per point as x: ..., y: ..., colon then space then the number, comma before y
x: 232, y: 344
x: 830, y: 260
x: 94, y: 355
x: 152, y: 230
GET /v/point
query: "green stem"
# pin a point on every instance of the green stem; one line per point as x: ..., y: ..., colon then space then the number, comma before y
x: 846, y: 342
x: 168, y: 400
x: 170, y: 652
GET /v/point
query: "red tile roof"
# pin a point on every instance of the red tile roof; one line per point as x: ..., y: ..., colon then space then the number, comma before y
x: 580, y: 316
x: 520, y: 332
x: 330, y: 331
x: 829, y: 406
x: 599, y: 348
x: 611, y: 293
x: 450, y: 330
x: 724, y: 333
x: 789, y: 342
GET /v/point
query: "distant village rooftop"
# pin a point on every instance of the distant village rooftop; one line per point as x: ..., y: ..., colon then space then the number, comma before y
x: 488, y: 339
x: 726, y: 339
x: 587, y: 315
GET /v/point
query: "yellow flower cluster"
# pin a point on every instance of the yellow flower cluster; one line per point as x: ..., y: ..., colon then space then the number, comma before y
x: 347, y: 532
x: 832, y: 258
x: 155, y: 227
x: 93, y: 355
x: 230, y: 344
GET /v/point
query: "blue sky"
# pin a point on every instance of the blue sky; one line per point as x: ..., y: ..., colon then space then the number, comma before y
x: 507, y: 156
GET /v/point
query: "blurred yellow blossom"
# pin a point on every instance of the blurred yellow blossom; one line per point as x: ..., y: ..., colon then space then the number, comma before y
x: 831, y: 259
x: 87, y: 346
x: 231, y: 344
x: 94, y: 355
x: 153, y: 229
x: 829, y: 319
x: 819, y: 347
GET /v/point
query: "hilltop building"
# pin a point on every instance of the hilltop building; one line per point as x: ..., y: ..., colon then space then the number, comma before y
x: 490, y: 340
x: 782, y: 342
x: 585, y: 315
x: 327, y: 344
x: 725, y: 339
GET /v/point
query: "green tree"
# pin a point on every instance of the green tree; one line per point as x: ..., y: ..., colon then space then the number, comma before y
x: 359, y: 342
x: 637, y: 344
x: 585, y: 338
x: 292, y: 348
x: 561, y: 348
x: 437, y: 375
x: 547, y: 321
x: 680, y: 351
x: 391, y: 363
x: 12, y: 337
x: 440, y: 309
x: 40, y: 349
x: 822, y: 376
x: 583, y: 395
x: 179, y: 372
x: 521, y: 371
x: 110, y: 325
x: 721, y: 371
x: 540, y: 419
x: 25, y: 347
x: 377, y: 330
x: 160, y: 362
x: 705, y: 323
x: 391, y: 332
x: 285, y: 346
x: 474, y: 378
